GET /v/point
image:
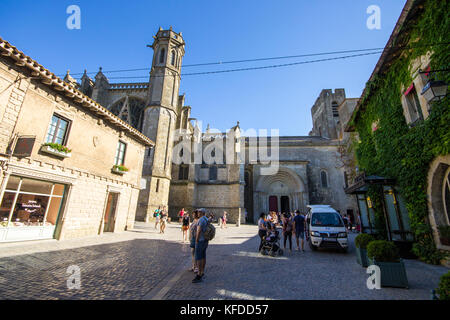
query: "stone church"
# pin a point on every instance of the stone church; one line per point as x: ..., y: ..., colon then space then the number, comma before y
x: 228, y: 175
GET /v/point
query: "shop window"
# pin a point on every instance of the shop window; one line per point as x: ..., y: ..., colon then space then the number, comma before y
x: 119, y: 159
x: 183, y: 173
x: 30, y: 203
x: 58, y: 130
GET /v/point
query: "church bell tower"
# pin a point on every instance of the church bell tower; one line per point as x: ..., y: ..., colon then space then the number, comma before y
x: 160, y: 119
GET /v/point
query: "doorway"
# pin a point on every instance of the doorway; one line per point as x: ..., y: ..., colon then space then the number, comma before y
x: 273, y: 203
x: 284, y: 203
x: 110, y: 212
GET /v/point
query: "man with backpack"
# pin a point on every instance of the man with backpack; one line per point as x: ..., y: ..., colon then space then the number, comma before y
x: 205, y: 233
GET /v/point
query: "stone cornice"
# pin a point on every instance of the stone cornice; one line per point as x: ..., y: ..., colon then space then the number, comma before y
x: 51, y: 80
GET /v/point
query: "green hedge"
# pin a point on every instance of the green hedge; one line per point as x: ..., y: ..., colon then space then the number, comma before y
x: 383, y: 251
x: 363, y: 239
x: 444, y: 287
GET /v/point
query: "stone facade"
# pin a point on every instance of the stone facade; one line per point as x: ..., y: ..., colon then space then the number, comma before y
x: 30, y: 98
x: 311, y: 168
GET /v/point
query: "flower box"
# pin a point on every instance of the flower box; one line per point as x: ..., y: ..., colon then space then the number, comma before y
x: 48, y: 149
x: 118, y: 170
x: 393, y: 274
x: 361, y: 257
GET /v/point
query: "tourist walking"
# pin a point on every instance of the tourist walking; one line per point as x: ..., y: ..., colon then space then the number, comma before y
x: 224, y: 220
x: 287, y: 231
x: 200, y: 245
x: 181, y: 214
x: 299, y: 229
x: 163, y: 220
x: 185, y: 225
x: 262, y: 230
x: 157, y: 215
x: 192, y: 235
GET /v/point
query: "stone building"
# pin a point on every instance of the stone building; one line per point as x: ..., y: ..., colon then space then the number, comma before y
x: 310, y: 167
x: 62, y: 157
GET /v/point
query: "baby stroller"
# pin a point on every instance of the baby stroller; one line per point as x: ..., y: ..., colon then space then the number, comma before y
x: 271, y: 245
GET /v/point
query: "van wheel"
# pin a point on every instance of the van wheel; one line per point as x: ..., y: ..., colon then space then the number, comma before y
x: 313, y: 247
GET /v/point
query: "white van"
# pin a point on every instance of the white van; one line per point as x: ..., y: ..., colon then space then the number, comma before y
x: 325, y: 228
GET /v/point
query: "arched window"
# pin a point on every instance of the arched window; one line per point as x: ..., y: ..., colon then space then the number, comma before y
x: 131, y: 110
x: 334, y: 107
x: 174, y: 57
x: 162, y: 53
x: 324, y: 179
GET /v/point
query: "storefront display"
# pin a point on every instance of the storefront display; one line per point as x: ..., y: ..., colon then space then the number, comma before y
x: 29, y: 209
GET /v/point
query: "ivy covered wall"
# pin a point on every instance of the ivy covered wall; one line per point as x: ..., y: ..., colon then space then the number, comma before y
x: 395, y: 150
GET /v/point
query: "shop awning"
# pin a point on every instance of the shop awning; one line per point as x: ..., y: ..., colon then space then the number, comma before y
x: 362, y: 183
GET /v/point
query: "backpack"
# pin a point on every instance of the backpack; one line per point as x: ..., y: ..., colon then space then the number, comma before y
x: 210, y: 231
x: 288, y: 225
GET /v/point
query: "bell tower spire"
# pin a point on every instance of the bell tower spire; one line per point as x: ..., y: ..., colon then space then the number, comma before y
x: 160, y: 119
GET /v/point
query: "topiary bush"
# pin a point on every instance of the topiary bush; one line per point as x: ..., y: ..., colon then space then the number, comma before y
x: 443, y: 289
x: 362, y: 240
x: 383, y: 251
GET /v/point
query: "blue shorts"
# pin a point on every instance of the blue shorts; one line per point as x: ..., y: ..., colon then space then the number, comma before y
x: 192, y: 245
x: 200, y: 250
x: 300, y: 234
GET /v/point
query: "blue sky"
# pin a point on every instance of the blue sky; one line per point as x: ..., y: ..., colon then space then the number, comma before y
x: 114, y: 35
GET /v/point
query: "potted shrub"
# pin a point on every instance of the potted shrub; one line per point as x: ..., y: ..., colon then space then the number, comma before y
x: 443, y: 289
x: 119, y: 169
x: 385, y: 255
x: 444, y: 235
x: 361, y: 242
x: 56, y: 149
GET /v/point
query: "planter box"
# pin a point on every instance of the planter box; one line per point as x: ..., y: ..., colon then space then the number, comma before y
x: 393, y: 274
x: 50, y: 150
x: 115, y: 170
x: 361, y: 257
x: 445, y: 241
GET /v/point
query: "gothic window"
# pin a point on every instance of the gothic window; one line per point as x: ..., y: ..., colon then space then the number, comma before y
x: 130, y: 110
x: 213, y: 173
x: 324, y: 179
x: 174, y: 57
x: 162, y: 53
x: 334, y: 108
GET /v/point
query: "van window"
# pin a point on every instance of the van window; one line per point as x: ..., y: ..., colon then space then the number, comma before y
x: 326, y: 219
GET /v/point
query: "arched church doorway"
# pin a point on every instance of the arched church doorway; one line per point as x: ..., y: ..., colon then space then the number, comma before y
x: 281, y: 192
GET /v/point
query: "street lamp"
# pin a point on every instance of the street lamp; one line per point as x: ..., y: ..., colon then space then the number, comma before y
x: 434, y: 90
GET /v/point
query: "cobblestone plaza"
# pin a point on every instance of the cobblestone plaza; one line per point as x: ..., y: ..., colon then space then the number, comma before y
x: 143, y: 264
